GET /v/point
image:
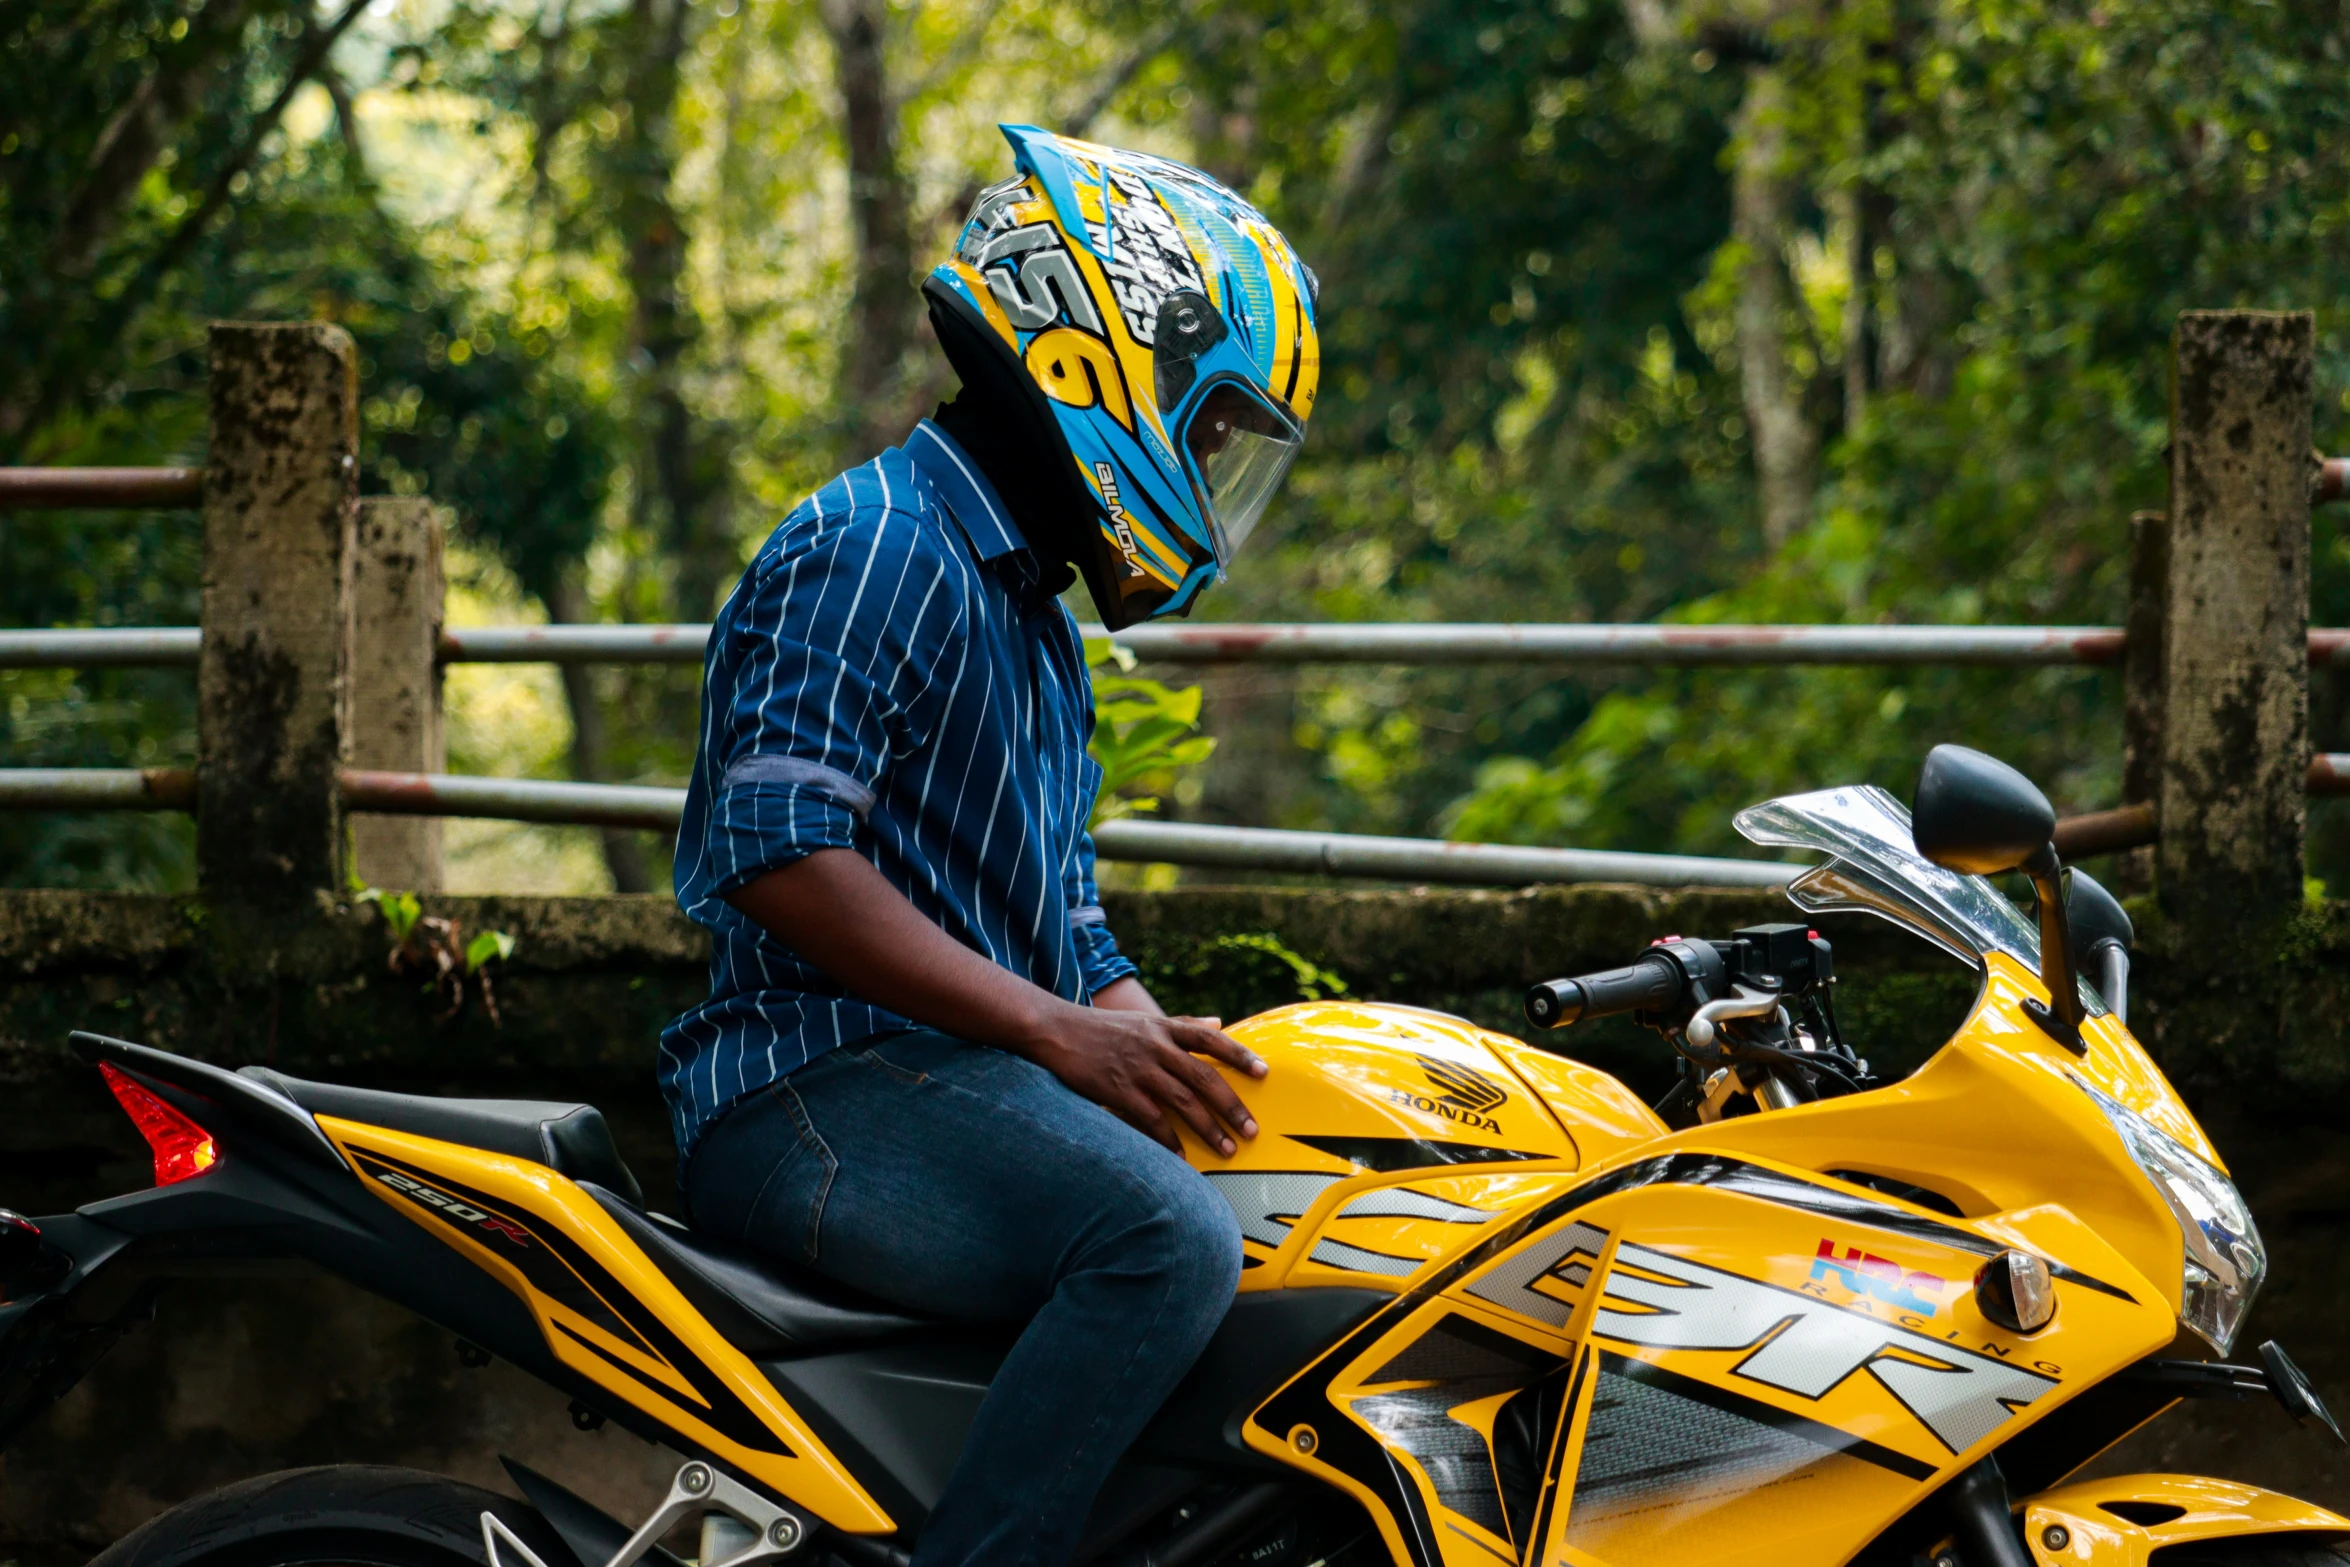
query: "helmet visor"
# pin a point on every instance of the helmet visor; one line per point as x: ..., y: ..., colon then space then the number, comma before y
x: 1242, y: 448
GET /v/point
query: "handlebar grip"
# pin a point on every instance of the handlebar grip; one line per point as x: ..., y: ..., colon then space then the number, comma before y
x: 1651, y: 984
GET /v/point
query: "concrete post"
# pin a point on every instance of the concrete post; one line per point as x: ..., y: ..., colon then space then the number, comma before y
x: 2235, y: 723
x: 2142, y: 686
x: 280, y: 493
x: 396, y: 682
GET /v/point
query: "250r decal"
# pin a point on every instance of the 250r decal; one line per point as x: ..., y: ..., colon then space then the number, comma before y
x: 462, y: 1212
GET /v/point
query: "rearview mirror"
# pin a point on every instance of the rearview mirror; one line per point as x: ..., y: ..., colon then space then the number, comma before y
x: 2102, y: 934
x: 2096, y: 915
x: 1976, y: 814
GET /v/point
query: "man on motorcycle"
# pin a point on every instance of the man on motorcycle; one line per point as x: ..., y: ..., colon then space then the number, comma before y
x: 924, y: 1067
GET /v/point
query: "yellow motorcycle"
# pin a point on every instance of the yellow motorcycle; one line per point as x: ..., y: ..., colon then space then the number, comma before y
x: 1494, y: 1309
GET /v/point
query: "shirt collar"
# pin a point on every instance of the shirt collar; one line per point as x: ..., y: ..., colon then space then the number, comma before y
x: 973, y: 502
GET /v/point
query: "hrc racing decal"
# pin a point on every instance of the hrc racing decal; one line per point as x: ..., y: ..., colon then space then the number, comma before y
x: 1792, y: 1341
x: 1807, y: 1347
x: 1877, y: 1278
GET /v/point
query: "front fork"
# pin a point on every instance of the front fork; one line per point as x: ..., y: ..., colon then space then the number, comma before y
x: 1982, y: 1518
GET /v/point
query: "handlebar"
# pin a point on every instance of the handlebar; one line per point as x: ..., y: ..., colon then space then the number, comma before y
x: 1652, y: 984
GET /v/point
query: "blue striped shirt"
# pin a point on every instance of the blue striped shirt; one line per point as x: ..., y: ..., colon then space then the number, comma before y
x: 891, y: 676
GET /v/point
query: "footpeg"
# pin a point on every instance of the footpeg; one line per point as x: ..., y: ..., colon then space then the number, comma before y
x: 766, y: 1531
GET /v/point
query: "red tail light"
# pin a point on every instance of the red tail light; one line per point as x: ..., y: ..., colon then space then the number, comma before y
x: 182, y: 1148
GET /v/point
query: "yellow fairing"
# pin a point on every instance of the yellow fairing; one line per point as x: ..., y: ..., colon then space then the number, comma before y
x: 1391, y: 1136
x: 2123, y: 1521
x: 1997, y: 1123
x: 607, y: 1311
x: 1734, y: 1343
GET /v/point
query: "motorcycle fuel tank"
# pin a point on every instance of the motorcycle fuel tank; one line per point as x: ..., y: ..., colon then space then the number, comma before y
x: 1385, y: 1130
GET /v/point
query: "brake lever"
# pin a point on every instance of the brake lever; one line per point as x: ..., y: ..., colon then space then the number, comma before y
x: 1704, y: 1027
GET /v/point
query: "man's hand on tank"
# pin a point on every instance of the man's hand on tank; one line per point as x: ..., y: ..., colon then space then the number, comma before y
x: 1139, y: 1067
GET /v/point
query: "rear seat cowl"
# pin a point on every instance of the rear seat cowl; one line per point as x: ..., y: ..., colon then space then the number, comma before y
x: 572, y: 1139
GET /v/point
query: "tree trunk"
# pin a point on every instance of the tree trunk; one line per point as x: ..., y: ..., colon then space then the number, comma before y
x: 675, y: 497
x: 137, y: 135
x: 624, y: 857
x: 883, y: 305
x: 1915, y: 354
x: 1786, y: 445
x: 1861, y: 282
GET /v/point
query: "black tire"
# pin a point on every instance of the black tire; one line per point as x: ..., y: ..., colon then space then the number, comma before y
x: 349, y: 1515
x: 2273, y: 1550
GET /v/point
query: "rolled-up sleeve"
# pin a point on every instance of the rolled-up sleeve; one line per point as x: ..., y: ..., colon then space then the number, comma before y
x: 813, y: 717
x: 1099, y: 961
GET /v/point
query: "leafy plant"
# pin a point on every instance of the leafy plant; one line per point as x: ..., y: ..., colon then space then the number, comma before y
x: 400, y: 911
x: 491, y: 946
x: 434, y: 949
x: 1145, y: 733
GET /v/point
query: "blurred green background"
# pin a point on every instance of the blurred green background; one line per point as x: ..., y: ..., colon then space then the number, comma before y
x: 1787, y: 310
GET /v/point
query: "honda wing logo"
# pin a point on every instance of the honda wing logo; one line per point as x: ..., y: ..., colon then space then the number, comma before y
x: 1458, y: 1093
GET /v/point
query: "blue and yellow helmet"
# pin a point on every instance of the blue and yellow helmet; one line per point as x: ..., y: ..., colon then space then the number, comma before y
x: 1163, y: 328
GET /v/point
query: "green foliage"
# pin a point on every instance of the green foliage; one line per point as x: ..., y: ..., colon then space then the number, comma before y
x: 491, y: 946
x: 1232, y: 975
x: 400, y: 911
x: 1145, y: 734
x: 1472, y: 180
x: 1314, y: 982
x: 599, y: 261
x: 118, y: 124
x: 2059, y: 185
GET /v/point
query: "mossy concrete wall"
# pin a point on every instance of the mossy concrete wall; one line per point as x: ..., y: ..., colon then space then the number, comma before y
x: 237, y: 1377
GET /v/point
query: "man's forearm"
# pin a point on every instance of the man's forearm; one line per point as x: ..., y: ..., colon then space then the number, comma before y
x: 1128, y: 995
x: 834, y: 909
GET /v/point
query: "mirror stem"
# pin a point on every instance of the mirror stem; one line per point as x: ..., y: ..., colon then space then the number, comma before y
x: 2109, y: 962
x: 2056, y: 938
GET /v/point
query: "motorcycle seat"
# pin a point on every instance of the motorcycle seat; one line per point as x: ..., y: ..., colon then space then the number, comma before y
x: 570, y: 1139
x: 767, y: 1308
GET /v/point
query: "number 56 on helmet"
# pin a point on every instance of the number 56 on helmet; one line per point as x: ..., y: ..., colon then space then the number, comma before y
x: 1149, y: 326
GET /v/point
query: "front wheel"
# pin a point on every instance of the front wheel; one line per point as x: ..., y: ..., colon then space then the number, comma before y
x: 349, y: 1515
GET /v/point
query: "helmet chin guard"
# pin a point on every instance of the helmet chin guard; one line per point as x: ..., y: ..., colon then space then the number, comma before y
x: 1153, y: 337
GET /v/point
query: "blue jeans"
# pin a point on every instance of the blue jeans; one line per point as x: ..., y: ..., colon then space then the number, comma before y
x: 964, y: 1182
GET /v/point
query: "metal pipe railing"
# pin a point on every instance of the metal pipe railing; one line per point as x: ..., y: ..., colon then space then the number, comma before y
x: 1417, y: 859
x: 94, y: 489
x: 2106, y: 832
x: 1270, y: 644
x: 1389, y: 643
x: 171, y: 487
x: 513, y: 799
x: 2329, y: 648
x: 1436, y: 643
x: 2332, y: 482
x: 132, y: 647
x: 1178, y: 843
x: 574, y: 644
x: 97, y: 789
